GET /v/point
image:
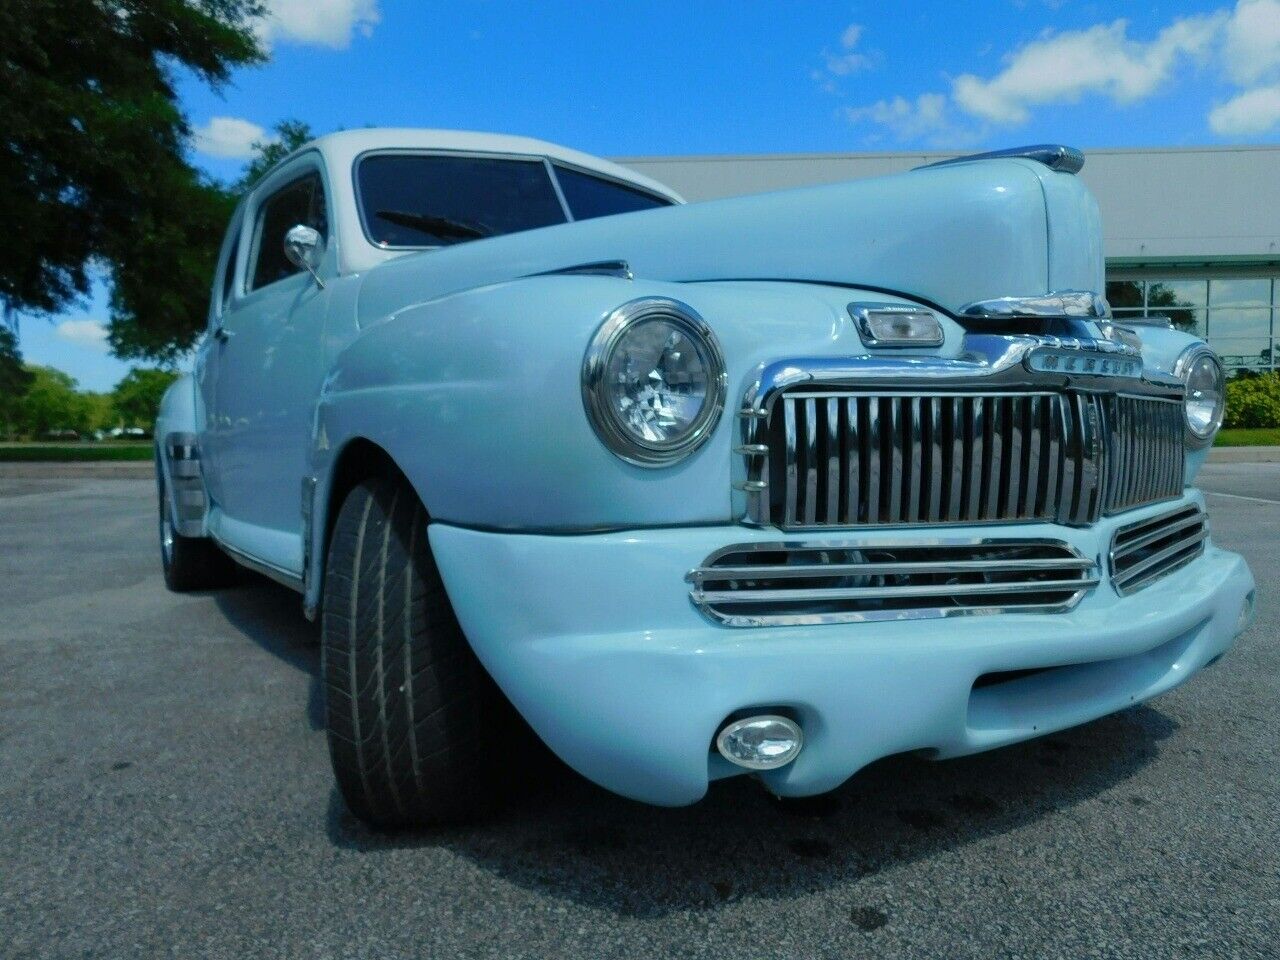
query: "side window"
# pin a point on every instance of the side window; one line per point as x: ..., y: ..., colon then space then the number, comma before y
x: 433, y: 200
x: 590, y: 196
x: 300, y: 202
x: 229, y: 271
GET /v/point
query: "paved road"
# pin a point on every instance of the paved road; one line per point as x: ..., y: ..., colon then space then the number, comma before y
x: 165, y: 791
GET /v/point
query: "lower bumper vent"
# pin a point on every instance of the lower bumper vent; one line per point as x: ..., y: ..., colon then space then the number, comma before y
x: 1144, y: 551
x: 760, y: 584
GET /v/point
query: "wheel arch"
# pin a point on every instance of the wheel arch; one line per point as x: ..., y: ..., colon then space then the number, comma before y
x: 357, y: 460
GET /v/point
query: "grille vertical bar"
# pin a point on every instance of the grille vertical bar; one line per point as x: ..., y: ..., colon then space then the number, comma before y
x: 842, y: 458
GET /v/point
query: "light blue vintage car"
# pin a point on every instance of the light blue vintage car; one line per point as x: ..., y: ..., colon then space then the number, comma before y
x: 777, y: 485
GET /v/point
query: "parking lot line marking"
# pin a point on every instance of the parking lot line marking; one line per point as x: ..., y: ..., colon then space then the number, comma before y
x: 1236, y: 496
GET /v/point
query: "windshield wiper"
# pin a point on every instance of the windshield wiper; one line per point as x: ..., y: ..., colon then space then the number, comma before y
x: 441, y: 227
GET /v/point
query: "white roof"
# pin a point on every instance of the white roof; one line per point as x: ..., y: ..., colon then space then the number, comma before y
x: 343, y: 147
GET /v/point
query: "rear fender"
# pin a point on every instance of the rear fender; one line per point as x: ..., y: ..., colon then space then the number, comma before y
x: 178, y: 458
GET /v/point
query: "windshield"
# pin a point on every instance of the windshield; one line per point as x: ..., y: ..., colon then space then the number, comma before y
x: 433, y: 200
x: 424, y: 200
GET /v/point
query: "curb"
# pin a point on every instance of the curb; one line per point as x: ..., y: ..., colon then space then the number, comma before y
x: 1244, y: 455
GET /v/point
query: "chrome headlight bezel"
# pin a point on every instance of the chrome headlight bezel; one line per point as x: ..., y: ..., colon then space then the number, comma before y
x: 1182, y: 367
x: 601, y: 413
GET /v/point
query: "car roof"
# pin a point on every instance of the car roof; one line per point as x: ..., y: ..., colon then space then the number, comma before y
x: 341, y: 149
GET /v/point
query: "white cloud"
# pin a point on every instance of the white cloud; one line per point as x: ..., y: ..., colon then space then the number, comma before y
x: 326, y: 23
x: 229, y: 137
x: 1247, y: 115
x: 1062, y: 67
x: 89, y: 334
x: 927, y: 115
x: 1251, y: 51
x: 848, y: 59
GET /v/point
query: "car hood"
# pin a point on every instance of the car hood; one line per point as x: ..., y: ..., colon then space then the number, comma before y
x: 949, y: 236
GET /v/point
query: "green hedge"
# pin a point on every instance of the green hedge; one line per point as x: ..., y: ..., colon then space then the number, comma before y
x: 77, y: 452
x: 1253, y: 401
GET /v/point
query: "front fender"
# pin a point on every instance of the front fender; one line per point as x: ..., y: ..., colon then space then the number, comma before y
x: 477, y: 398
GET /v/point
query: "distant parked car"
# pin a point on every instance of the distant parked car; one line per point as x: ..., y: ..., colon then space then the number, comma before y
x: 776, y: 485
x: 60, y: 436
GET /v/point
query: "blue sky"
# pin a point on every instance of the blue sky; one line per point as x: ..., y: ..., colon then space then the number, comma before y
x: 745, y: 77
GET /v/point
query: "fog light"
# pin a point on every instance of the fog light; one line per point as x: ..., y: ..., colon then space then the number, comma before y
x: 1246, y: 613
x: 760, y: 743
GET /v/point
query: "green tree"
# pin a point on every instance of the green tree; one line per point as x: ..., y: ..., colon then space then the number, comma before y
x: 1183, y: 315
x: 94, y: 158
x: 14, y: 381
x: 289, y: 136
x: 52, y: 403
x: 136, y: 398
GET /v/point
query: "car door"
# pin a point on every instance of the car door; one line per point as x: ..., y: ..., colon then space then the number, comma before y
x: 205, y: 368
x: 270, y: 365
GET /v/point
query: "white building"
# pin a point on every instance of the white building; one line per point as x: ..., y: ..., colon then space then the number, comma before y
x: 1191, y: 233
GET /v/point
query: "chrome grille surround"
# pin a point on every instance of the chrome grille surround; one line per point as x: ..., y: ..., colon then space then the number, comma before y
x: 902, y: 440
x: 1146, y: 550
x: 816, y: 582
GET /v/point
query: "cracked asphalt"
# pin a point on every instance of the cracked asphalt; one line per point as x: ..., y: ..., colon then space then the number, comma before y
x: 165, y: 792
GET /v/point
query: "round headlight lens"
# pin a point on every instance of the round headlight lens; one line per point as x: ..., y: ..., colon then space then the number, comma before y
x: 1206, y: 392
x: 653, y: 381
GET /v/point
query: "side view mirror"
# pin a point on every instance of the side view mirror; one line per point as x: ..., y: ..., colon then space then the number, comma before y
x: 303, y: 247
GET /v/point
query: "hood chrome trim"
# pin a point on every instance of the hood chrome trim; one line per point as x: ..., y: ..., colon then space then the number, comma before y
x: 1071, y: 304
x: 1055, y: 156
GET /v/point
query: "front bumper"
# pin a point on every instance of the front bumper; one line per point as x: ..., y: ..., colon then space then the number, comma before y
x: 596, y: 643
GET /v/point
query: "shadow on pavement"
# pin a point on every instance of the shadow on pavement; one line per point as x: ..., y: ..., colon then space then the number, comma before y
x: 564, y: 836
x: 271, y: 616
x: 574, y: 840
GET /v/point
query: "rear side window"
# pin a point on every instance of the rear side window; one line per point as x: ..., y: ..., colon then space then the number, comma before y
x: 425, y: 200
x: 590, y: 196
x: 301, y: 202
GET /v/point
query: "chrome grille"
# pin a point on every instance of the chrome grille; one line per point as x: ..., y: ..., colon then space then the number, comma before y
x: 844, y: 458
x: 1144, y: 551
x: 761, y: 584
x: 1145, y: 455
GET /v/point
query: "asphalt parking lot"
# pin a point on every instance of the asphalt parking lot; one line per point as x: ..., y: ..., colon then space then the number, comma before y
x: 165, y: 791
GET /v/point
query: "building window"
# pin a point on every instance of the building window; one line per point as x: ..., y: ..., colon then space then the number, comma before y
x: 1237, y: 315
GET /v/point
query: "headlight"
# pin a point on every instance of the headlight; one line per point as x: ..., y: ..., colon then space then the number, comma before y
x: 653, y: 381
x: 1206, y: 395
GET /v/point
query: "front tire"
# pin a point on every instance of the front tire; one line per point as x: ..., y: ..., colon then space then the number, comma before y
x: 416, y: 727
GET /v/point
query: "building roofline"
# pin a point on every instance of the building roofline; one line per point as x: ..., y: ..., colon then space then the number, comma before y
x: 926, y: 154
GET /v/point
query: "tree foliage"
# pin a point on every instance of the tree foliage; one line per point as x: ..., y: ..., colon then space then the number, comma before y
x: 14, y: 381
x: 289, y: 136
x: 136, y: 398
x: 94, y: 158
x: 52, y: 403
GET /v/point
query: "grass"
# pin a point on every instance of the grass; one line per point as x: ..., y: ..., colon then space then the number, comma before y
x: 73, y: 452
x: 1240, y: 437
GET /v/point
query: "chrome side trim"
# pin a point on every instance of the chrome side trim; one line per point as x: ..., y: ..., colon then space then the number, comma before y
x: 270, y: 570
x: 599, y: 268
x: 1146, y: 550
x: 1055, y: 156
x: 851, y: 581
x: 1077, y: 304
